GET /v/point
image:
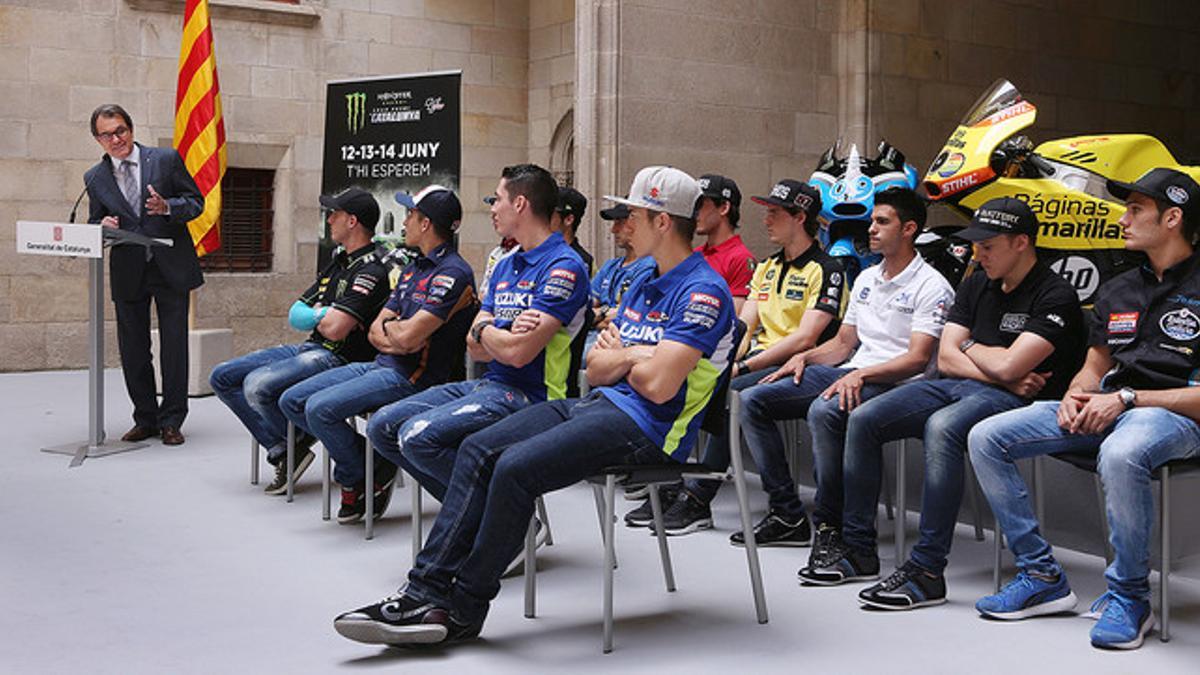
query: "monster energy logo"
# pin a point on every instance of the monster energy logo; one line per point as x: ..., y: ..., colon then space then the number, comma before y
x: 356, y: 111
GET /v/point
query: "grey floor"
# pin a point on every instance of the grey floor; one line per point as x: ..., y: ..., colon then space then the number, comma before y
x: 166, y: 560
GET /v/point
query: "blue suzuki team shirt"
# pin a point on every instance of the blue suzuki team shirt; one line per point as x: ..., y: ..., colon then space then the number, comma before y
x: 552, y: 279
x: 615, y: 277
x: 442, y: 284
x: 690, y: 304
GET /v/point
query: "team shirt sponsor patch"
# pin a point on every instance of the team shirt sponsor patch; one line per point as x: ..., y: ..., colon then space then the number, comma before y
x: 1181, y: 324
x: 702, y: 309
x: 1013, y: 322
x: 1122, y: 322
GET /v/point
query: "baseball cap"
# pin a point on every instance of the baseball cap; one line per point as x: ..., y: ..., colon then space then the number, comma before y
x: 792, y: 194
x: 717, y: 186
x: 1003, y: 215
x: 571, y: 201
x: 437, y: 203
x: 662, y: 188
x: 618, y: 212
x: 357, y: 202
x: 1163, y: 184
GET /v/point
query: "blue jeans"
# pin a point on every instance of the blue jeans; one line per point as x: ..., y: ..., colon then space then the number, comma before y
x: 762, y: 406
x: 940, y: 413
x: 1140, y: 440
x: 716, y: 451
x: 498, y: 474
x: 321, y: 405
x: 250, y: 386
x: 421, y: 433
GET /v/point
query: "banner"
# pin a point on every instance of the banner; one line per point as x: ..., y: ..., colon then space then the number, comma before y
x: 391, y: 134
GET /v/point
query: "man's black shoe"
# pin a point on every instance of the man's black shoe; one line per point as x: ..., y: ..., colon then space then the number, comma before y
x: 775, y: 530
x: 837, y: 562
x: 397, y: 620
x: 909, y: 587
x: 643, y: 515
x: 279, y: 485
x: 685, y: 516
x: 354, y: 505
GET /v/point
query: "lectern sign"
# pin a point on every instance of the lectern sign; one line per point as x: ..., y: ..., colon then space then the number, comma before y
x: 59, y: 239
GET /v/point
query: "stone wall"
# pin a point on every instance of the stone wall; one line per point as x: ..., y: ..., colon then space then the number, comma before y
x: 60, y: 58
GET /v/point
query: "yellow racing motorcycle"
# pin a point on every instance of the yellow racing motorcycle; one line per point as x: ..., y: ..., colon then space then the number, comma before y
x: 1064, y: 181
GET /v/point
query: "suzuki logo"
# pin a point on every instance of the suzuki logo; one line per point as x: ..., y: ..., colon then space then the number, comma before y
x: 356, y: 111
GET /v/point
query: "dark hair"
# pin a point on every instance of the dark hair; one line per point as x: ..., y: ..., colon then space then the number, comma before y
x: 111, y: 110
x: 443, y: 232
x: 907, y: 204
x: 734, y: 215
x: 811, y: 224
x: 1188, y: 230
x: 535, y: 184
x: 685, y: 226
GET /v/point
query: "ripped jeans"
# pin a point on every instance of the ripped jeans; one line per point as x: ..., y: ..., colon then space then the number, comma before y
x: 421, y: 433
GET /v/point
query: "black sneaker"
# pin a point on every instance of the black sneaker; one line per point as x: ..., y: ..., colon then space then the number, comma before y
x: 909, y: 587
x: 837, y: 563
x: 354, y: 505
x: 643, y: 515
x: 397, y: 620
x: 775, y: 530
x: 279, y: 485
x: 385, y: 481
x: 685, y: 516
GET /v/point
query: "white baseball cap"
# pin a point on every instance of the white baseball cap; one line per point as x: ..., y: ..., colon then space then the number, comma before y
x: 662, y: 188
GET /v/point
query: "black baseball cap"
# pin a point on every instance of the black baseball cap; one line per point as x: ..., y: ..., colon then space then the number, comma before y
x: 1003, y: 215
x: 357, y: 202
x: 618, y: 212
x: 571, y: 202
x: 716, y: 186
x: 437, y: 203
x: 1167, y: 185
x: 792, y: 194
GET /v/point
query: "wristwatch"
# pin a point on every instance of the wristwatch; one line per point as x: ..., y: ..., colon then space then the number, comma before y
x: 741, y: 368
x: 966, y: 344
x: 477, y: 329
x: 1128, y: 397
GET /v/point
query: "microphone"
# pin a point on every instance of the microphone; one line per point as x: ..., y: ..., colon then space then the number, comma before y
x: 75, y: 207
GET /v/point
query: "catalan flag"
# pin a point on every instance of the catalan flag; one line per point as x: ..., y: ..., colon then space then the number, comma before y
x: 199, y: 126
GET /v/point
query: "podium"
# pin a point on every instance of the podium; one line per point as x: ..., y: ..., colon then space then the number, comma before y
x: 86, y: 241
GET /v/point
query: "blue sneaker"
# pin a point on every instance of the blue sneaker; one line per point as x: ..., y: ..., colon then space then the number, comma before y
x: 1028, y: 596
x: 1124, y: 623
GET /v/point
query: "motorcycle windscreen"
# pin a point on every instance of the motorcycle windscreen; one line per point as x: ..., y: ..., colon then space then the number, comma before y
x: 965, y: 160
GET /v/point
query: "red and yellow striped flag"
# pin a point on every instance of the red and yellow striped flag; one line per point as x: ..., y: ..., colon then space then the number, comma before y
x: 199, y: 126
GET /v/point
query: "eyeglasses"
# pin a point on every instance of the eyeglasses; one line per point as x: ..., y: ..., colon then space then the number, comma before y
x: 119, y: 132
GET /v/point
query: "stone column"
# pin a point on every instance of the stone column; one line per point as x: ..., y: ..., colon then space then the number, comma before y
x: 597, y: 90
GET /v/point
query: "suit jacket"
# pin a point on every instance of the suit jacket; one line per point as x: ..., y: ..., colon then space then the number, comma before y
x: 164, y: 169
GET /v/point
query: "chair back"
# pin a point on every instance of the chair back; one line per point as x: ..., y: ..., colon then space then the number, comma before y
x: 716, y: 413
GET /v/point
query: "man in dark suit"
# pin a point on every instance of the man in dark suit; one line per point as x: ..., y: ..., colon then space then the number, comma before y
x: 148, y: 191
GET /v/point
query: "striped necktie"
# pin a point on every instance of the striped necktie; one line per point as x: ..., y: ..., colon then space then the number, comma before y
x: 129, y: 186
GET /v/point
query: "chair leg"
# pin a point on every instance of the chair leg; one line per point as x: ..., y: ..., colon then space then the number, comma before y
x: 369, y: 491
x: 1103, y: 512
x: 326, y: 482
x: 291, y: 460
x: 739, y: 481
x: 1039, y: 495
x: 417, y: 535
x: 610, y: 559
x: 885, y: 483
x: 598, y: 494
x: 973, y: 490
x: 660, y: 533
x: 253, y: 461
x: 544, y: 516
x: 1164, y: 533
x: 399, y: 479
x: 901, y: 503
x: 531, y: 569
x: 999, y: 539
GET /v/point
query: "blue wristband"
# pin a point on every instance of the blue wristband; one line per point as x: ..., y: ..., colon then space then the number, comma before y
x: 305, y: 318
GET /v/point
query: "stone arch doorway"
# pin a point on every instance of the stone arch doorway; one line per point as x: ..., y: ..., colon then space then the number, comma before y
x: 562, y: 150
